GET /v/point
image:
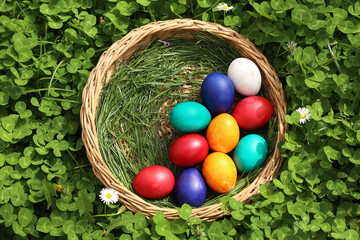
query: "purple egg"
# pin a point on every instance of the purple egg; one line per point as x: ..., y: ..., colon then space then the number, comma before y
x: 217, y: 93
x: 190, y: 188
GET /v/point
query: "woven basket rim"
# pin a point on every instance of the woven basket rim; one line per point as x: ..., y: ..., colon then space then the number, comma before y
x: 122, y: 50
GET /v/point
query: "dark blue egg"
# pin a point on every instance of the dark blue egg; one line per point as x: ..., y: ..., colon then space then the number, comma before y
x: 217, y: 93
x: 190, y: 188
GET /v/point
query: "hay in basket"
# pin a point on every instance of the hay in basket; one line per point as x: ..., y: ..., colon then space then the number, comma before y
x: 119, y: 55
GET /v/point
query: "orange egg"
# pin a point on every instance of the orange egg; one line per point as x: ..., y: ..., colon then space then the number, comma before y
x: 223, y: 133
x: 219, y: 172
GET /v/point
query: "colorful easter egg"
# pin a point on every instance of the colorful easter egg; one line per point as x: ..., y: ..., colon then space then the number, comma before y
x: 190, y: 188
x: 223, y: 133
x: 245, y: 76
x: 189, y: 117
x: 219, y: 172
x: 217, y: 93
x: 253, y: 112
x: 188, y: 150
x: 250, y: 153
x: 154, y: 182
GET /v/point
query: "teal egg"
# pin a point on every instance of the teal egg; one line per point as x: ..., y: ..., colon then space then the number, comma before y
x: 250, y: 153
x: 189, y: 117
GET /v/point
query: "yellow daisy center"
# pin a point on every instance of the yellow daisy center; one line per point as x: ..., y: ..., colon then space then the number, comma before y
x: 108, y: 195
x: 59, y: 188
x: 303, y: 116
x: 225, y: 7
x: 292, y: 48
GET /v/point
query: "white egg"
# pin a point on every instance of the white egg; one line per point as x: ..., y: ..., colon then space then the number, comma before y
x: 245, y: 76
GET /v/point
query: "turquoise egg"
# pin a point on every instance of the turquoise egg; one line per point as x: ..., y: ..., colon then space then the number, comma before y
x: 250, y: 153
x: 189, y: 117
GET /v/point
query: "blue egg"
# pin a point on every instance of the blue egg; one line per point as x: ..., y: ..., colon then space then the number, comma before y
x: 189, y: 117
x: 217, y: 93
x: 250, y: 153
x: 190, y: 188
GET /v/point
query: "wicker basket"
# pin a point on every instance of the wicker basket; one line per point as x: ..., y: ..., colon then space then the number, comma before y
x: 122, y: 50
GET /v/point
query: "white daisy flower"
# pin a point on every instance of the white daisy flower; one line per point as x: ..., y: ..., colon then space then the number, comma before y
x: 224, y: 7
x: 292, y: 47
x: 304, y: 114
x: 109, y: 195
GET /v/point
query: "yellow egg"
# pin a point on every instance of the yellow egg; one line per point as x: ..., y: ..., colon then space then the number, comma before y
x: 219, y: 172
x: 223, y: 133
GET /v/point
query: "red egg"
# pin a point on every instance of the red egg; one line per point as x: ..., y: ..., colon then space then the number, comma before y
x: 189, y: 150
x: 253, y: 112
x: 154, y: 182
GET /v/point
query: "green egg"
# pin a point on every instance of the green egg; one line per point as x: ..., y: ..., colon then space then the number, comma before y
x: 189, y: 117
x: 250, y: 153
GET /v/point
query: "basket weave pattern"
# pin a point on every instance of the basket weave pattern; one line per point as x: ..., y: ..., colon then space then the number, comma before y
x: 122, y: 50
